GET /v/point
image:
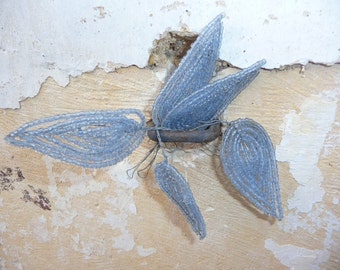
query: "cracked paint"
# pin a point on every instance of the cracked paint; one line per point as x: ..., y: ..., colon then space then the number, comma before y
x: 293, y: 256
x: 304, y: 134
x: 104, y: 35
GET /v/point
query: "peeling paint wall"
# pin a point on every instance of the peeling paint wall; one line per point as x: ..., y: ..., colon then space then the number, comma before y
x: 120, y: 205
x: 309, y: 127
x: 73, y: 217
x: 41, y: 39
x: 56, y: 212
x: 302, y: 144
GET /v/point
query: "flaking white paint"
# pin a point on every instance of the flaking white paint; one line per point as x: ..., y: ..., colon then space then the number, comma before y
x: 124, y: 242
x: 144, y: 252
x: 318, y: 219
x: 114, y: 212
x: 3, y: 227
x: 304, y: 134
x: 293, y: 256
x: 93, y: 246
x: 39, y: 228
x: 62, y: 38
x: 121, y: 175
x: 187, y: 158
x: 81, y: 185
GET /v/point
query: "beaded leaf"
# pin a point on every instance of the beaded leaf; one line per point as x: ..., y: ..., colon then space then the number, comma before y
x: 194, y: 71
x: 91, y: 139
x: 209, y: 102
x: 248, y: 159
x: 172, y: 183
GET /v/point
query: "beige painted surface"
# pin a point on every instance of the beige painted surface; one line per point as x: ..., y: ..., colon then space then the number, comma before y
x: 101, y: 219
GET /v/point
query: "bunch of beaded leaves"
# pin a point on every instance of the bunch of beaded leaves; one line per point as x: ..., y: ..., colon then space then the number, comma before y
x: 187, y: 110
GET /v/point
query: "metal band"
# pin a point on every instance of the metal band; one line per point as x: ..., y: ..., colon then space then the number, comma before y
x: 194, y: 136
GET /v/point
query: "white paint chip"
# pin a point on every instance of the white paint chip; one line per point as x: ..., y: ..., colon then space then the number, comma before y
x: 38, y: 226
x: 125, y: 242
x: 145, y: 252
x: 187, y: 158
x: 121, y: 201
x: 114, y: 211
x: 118, y: 173
x: 294, y: 257
x: 81, y: 185
x: 209, y: 209
x: 304, y: 134
x: 3, y: 227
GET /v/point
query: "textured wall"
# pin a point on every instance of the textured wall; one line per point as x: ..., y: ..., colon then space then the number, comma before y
x: 55, y: 215
x: 59, y: 216
x: 41, y: 39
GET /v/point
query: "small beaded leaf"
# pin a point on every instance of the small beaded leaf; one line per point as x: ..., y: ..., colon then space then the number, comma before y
x: 92, y: 139
x: 208, y: 103
x: 248, y: 159
x: 194, y: 71
x: 172, y: 183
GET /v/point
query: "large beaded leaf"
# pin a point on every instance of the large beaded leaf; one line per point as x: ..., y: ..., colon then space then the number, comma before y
x: 91, y: 139
x: 208, y: 103
x: 248, y: 159
x: 194, y: 71
x: 172, y: 183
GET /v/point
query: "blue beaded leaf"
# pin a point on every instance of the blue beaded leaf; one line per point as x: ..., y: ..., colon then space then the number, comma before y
x: 172, y: 183
x: 248, y: 159
x: 209, y: 102
x: 194, y: 71
x: 92, y: 139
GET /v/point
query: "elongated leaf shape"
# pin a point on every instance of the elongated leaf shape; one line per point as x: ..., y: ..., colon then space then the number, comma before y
x: 178, y: 190
x: 194, y: 71
x: 208, y: 103
x: 91, y: 139
x: 248, y: 159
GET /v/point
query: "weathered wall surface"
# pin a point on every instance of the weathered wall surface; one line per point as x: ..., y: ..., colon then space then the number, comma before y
x: 58, y: 216
x: 55, y: 215
x: 41, y: 39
